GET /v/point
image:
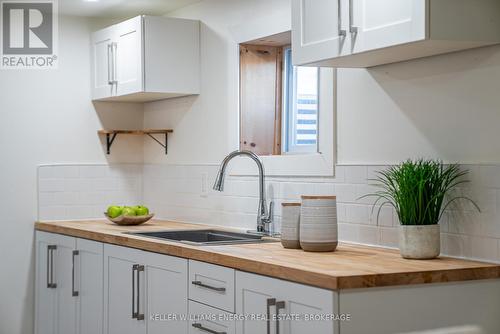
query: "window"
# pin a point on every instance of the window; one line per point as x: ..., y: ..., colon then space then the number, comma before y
x: 300, y: 107
x: 286, y: 115
x: 279, y: 102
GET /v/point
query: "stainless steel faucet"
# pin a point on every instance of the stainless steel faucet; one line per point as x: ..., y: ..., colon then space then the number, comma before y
x: 264, y: 217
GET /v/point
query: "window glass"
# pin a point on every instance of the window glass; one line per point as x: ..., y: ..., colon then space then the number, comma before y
x: 300, y: 107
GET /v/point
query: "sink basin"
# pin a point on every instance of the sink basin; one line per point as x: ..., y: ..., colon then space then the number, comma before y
x: 205, y: 237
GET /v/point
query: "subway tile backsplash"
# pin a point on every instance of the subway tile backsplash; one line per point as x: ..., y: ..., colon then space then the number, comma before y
x: 184, y: 193
x: 68, y: 192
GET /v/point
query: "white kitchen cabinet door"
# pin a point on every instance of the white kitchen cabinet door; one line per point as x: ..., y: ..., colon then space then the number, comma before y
x: 166, y: 293
x: 141, y: 290
x: 128, y: 52
x: 377, y: 24
x: 121, y: 291
x: 319, y: 30
x: 55, y: 303
x: 102, y: 53
x: 88, y: 268
x: 261, y: 295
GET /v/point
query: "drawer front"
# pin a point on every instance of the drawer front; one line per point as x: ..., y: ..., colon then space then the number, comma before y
x: 204, y: 319
x: 212, y: 285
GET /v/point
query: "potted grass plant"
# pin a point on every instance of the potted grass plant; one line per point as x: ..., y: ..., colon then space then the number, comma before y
x: 419, y: 191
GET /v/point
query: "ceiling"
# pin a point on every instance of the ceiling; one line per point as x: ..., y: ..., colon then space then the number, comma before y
x: 120, y: 8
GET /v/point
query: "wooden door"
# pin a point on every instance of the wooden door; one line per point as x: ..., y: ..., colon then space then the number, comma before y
x: 260, y: 99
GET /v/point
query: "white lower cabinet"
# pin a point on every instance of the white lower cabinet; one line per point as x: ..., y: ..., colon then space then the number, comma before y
x: 144, y: 292
x: 68, y: 285
x: 207, y: 319
x: 289, y: 308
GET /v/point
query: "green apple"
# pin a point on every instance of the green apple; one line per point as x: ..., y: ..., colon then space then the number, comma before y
x: 114, y: 211
x: 141, y: 210
x: 129, y: 211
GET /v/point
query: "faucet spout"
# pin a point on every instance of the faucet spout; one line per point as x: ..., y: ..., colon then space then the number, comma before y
x: 264, y: 217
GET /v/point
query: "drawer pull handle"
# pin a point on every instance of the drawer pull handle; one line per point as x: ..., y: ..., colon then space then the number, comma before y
x: 205, y: 329
x: 352, y: 28
x: 270, y: 302
x: 342, y: 32
x: 50, y: 267
x: 74, y: 293
x: 200, y: 284
x: 279, y: 306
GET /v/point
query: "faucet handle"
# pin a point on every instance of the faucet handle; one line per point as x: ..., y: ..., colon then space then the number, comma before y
x: 271, y: 211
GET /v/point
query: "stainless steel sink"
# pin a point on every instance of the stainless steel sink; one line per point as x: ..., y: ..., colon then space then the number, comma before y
x: 205, y: 237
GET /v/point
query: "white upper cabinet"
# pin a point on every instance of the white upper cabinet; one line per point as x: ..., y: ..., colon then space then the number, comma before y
x: 146, y: 58
x: 386, y: 31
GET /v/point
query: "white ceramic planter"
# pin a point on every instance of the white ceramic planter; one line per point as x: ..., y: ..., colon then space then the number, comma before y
x: 419, y: 241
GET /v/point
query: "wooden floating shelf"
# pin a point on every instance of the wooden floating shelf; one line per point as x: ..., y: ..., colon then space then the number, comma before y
x: 111, y: 135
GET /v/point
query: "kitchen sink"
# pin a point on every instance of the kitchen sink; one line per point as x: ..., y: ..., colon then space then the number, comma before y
x: 206, y: 237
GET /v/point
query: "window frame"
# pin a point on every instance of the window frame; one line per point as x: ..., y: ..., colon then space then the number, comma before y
x: 319, y: 164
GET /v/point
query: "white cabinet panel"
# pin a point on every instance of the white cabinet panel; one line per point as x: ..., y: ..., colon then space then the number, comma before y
x: 89, y: 286
x: 141, y: 290
x: 257, y: 294
x: 212, y: 285
x: 383, y: 23
x: 45, y: 298
x: 120, y: 291
x: 128, y: 56
x: 102, y: 85
x: 166, y: 292
x: 55, y: 303
x: 204, y: 319
x: 319, y: 30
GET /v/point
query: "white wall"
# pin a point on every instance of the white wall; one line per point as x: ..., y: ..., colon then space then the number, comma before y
x: 47, y: 116
x: 444, y: 107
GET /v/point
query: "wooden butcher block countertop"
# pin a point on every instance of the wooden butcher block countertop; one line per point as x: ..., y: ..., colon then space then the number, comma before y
x: 350, y: 266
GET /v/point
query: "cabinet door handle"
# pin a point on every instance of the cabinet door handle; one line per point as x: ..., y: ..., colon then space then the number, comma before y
x: 114, y: 47
x: 110, y: 81
x: 74, y: 293
x: 140, y: 316
x: 270, y: 302
x: 342, y: 32
x: 134, y: 269
x: 279, y: 306
x: 352, y: 29
x: 201, y: 284
x: 50, y: 266
x: 205, y: 329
